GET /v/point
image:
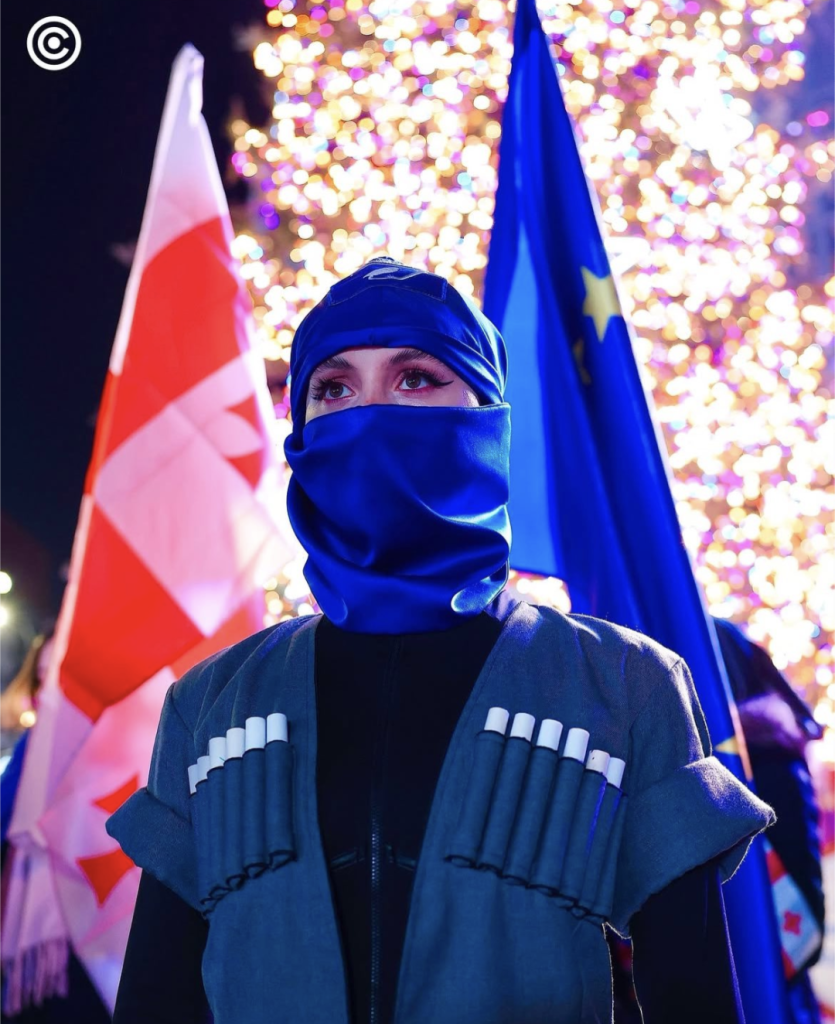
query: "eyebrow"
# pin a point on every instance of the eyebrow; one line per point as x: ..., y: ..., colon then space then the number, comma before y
x: 400, y: 356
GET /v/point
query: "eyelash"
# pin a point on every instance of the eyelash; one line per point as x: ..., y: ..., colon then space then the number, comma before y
x: 318, y: 390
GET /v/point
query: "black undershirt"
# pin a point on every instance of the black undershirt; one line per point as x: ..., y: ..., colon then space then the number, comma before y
x: 386, y: 710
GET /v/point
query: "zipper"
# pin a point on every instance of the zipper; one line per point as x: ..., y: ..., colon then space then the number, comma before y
x: 313, y: 703
x: 375, y: 906
x: 376, y: 840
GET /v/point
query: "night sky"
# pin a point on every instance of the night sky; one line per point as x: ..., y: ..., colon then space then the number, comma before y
x: 77, y: 148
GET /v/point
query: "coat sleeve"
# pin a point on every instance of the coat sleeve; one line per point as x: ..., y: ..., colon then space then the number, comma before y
x: 154, y: 826
x: 684, y: 807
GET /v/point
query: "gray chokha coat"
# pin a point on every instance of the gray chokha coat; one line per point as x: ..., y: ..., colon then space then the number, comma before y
x: 529, y: 850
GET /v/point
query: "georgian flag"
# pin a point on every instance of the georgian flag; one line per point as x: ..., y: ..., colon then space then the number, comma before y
x: 182, y: 519
x: 800, y: 934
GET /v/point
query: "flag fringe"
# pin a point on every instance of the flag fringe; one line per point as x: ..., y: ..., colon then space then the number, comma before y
x: 35, y: 974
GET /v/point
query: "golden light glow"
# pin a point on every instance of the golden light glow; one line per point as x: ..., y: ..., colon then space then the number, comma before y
x: 385, y: 137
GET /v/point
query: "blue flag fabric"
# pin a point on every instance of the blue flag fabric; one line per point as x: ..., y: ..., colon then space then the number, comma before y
x: 590, y: 495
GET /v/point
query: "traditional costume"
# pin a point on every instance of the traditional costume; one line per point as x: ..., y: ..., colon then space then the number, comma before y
x: 577, y: 782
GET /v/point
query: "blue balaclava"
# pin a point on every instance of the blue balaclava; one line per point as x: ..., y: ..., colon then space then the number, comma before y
x: 402, y: 509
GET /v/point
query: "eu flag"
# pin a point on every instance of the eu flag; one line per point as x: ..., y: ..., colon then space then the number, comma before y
x: 590, y: 495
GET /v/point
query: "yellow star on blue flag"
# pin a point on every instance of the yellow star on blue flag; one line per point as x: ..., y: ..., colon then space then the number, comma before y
x: 601, y: 302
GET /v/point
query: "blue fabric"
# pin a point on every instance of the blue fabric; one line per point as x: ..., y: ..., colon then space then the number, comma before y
x: 9, y: 781
x: 583, y: 831
x: 599, y: 847
x: 279, y: 796
x: 487, y: 755
x: 590, y: 490
x: 533, y: 805
x: 201, y: 819
x: 390, y: 305
x: 233, y: 864
x: 505, y: 800
x: 803, y: 1001
x: 256, y: 859
x: 546, y: 870
x: 752, y: 673
x: 402, y: 511
x: 246, y: 805
x: 217, y: 814
x: 781, y: 773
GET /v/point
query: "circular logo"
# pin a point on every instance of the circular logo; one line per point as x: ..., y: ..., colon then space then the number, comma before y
x: 53, y: 43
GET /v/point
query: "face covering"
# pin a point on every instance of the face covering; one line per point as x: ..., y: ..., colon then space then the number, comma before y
x: 402, y: 510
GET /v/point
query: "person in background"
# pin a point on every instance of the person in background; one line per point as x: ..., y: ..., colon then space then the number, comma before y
x: 777, y: 726
x: 82, y: 1004
x: 18, y: 708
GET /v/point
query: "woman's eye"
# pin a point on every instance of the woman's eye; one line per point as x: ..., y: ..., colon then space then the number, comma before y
x: 416, y: 376
x: 327, y: 389
x: 411, y: 380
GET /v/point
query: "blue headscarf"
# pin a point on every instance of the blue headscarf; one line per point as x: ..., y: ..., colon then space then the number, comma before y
x: 402, y: 509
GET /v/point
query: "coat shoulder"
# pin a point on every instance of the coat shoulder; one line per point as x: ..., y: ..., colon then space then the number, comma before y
x: 614, y: 657
x: 199, y: 686
x: 602, y: 635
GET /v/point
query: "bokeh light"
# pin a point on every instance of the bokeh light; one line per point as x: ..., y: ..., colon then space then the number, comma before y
x: 385, y: 132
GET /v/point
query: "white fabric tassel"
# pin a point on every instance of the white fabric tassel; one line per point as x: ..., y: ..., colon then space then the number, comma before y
x: 36, y: 974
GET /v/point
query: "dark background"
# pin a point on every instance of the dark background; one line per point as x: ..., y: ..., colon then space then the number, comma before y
x: 77, y: 149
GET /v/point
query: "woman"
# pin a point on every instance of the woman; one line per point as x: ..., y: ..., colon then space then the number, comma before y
x: 423, y: 804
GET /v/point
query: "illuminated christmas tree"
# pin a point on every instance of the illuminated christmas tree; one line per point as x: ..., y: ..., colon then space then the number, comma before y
x: 384, y: 137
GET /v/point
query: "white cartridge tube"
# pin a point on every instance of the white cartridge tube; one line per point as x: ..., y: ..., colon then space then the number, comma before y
x: 193, y: 775
x: 497, y: 720
x: 202, y: 768
x: 614, y: 772
x: 276, y: 727
x: 256, y: 733
x: 550, y: 731
x: 217, y: 751
x: 235, y: 742
x: 576, y: 744
x: 598, y: 761
x: 523, y: 724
